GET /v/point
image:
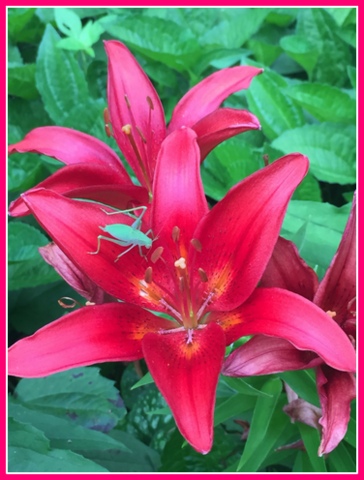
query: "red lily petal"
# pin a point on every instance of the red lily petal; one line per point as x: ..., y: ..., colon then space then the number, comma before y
x: 179, y: 198
x: 336, y: 391
x: 74, y: 226
x: 73, y: 275
x: 94, y: 182
x: 221, y: 125
x: 266, y: 355
x: 207, y: 96
x: 129, y: 89
x: 239, y: 233
x: 70, y: 146
x: 103, y: 333
x: 185, y: 366
x: 338, y: 287
x: 283, y: 314
x: 286, y: 269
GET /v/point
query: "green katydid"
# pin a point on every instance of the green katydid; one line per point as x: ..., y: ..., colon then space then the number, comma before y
x: 125, y: 235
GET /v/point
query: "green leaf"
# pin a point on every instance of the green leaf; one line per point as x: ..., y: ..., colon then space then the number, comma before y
x: 341, y: 459
x: 228, y: 164
x: 91, y: 32
x: 265, y: 44
x: 334, y: 54
x: 26, y: 266
x: 27, y: 436
x: 276, y: 112
x: 263, y: 413
x: 23, y: 242
x: 342, y: 16
x: 279, y: 432
x: 324, y: 102
x: 24, y: 460
x: 24, y: 170
x: 60, y: 80
x: 18, y: 18
x: 311, y: 440
x: 63, y: 433
x: 158, y: 39
x: 301, y: 50
x: 81, y: 393
x: 244, y: 387
x: 14, y: 56
x: 281, y: 16
x: 32, y: 308
x: 226, y: 30
x: 71, y: 43
x: 68, y: 22
x: 21, y: 81
x: 141, y: 458
x: 329, y: 147
x: 351, y: 433
x: 352, y: 75
x: 303, y: 383
x: 147, y: 379
x: 308, y: 189
x: 323, y: 221
x: 232, y: 406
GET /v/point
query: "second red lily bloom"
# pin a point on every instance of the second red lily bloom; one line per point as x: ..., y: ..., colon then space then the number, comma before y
x: 136, y: 120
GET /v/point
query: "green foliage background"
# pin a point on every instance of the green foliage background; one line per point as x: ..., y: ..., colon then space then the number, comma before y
x: 90, y: 420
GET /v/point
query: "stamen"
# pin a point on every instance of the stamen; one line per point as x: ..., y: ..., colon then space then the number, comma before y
x: 127, y: 101
x: 107, y: 123
x: 156, y: 255
x: 126, y: 129
x: 106, y: 116
x: 189, y: 336
x: 196, y: 244
x: 68, y: 305
x: 180, y: 263
x: 205, y: 303
x: 331, y: 314
x: 141, y: 135
x: 169, y: 307
x: 266, y: 159
x: 150, y: 103
x: 203, y: 275
x: 175, y: 234
x: 148, y: 275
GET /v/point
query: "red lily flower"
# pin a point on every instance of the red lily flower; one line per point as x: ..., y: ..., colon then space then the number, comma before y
x: 202, y: 270
x: 136, y: 120
x: 335, y: 294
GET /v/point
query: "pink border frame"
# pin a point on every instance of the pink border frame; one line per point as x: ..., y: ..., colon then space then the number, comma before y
x: 42, y: 3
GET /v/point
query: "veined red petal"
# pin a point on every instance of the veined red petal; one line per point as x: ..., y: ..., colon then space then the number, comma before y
x: 286, y: 269
x: 207, y: 96
x: 179, y: 198
x: 110, y: 332
x: 132, y: 100
x: 338, y: 287
x: 92, y: 181
x: 70, y: 146
x: 75, y: 226
x: 336, y: 391
x: 239, y: 233
x: 221, y: 125
x: 266, y: 355
x: 185, y: 367
x: 283, y: 314
x: 73, y: 275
